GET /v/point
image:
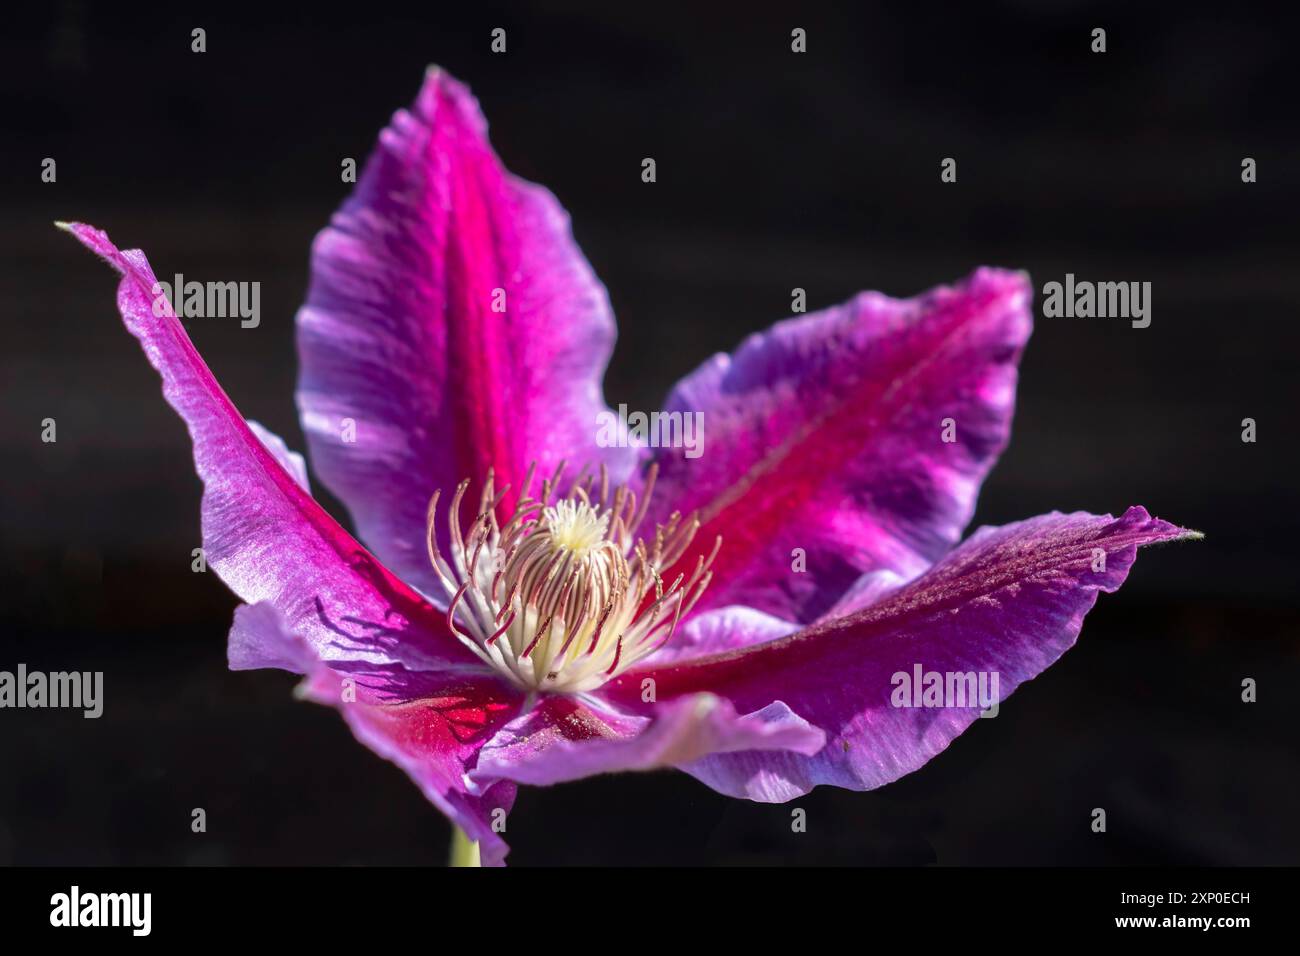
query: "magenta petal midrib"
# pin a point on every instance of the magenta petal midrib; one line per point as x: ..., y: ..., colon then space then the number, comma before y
x: 477, y: 385
x: 836, y: 410
x: 878, y: 393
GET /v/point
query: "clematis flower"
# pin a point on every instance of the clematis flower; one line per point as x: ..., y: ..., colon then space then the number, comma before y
x: 536, y: 606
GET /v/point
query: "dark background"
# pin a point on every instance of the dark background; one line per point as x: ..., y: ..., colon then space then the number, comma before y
x: 775, y: 170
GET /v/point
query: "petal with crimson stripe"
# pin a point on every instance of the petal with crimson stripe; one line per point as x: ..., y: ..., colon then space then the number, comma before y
x: 400, y: 332
x: 826, y: 433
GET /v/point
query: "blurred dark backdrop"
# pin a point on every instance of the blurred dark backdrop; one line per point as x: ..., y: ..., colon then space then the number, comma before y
x: 775, y: 170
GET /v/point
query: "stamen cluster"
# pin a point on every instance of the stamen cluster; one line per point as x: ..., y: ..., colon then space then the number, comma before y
x: 564, y: 595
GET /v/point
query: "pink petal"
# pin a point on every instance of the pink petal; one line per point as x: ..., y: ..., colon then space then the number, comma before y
x: 318, y: 603
x: 399, y: 335
x: 429, y: 724
x: 566, y: 738
x: 825, y: 434
x: 1009, y: 601
x: 263, y: 534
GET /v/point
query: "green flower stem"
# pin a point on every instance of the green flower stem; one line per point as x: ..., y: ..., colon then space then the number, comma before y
x: 464, y: 851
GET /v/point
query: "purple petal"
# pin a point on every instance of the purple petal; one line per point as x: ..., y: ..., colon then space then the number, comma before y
x: 723, y: 629
x: 399, y: 335
x: 320, y: 605
x: 429, y: 724
x: 734, y: 627
x: 565, y: 739
x: 826, y: 434
x: 265, y: 537
x: 258, y: 639
x: 1009, y: 601
x: 871, y: 588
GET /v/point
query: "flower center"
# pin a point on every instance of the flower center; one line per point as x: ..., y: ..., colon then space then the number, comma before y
x: 564, y: 595
x: 575, y: 526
